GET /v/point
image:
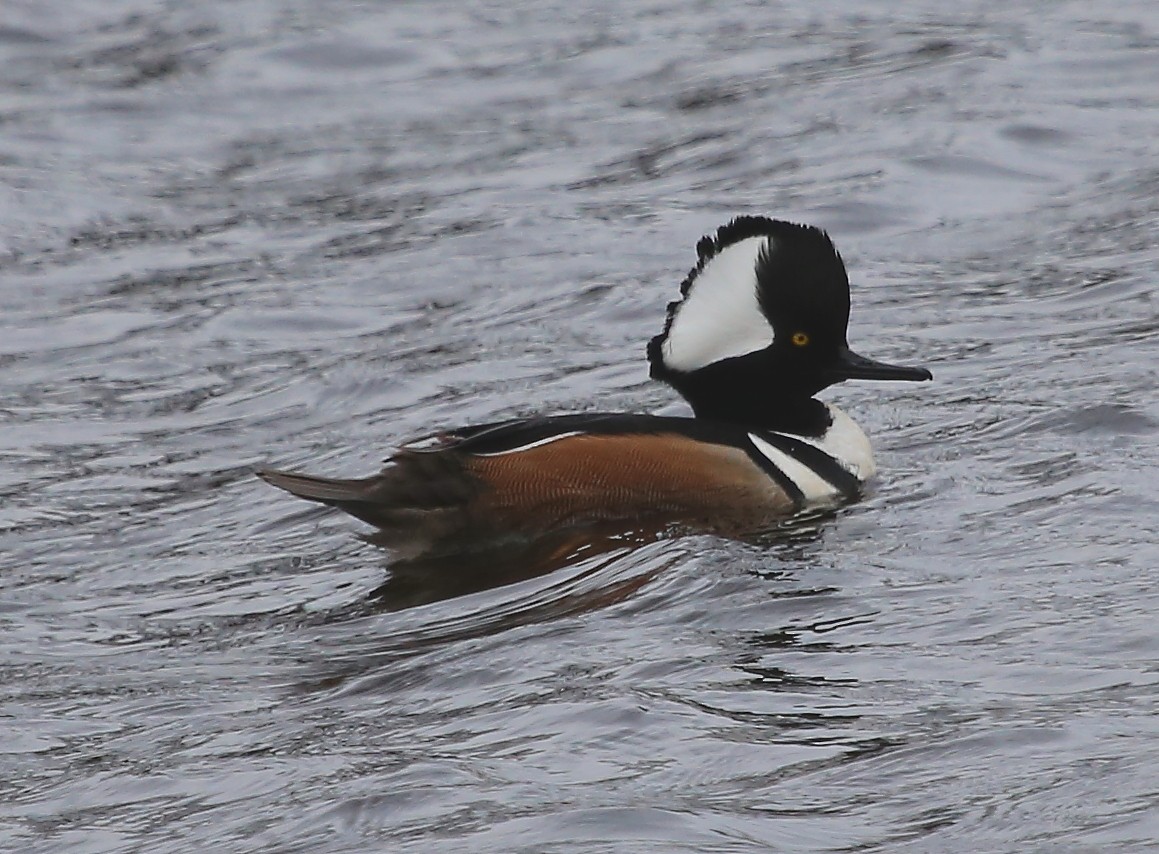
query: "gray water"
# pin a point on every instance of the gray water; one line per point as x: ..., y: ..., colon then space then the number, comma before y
x: 297, y: 233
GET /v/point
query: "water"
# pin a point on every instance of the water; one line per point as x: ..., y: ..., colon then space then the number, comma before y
x: 298, y: 233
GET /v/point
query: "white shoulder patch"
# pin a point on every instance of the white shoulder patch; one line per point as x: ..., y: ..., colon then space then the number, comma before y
x: 720, y: 317
x: 814, y: 487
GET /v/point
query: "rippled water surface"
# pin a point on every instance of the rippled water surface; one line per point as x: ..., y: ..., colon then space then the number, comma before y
x: 297, y: 233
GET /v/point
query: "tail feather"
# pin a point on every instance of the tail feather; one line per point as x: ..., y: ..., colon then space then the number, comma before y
x: 325, y: 489
x: 418, y: 496
x: 353, y: 496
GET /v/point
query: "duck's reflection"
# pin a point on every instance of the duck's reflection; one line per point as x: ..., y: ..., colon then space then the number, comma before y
x: 472, y: 567
x: 583, y: 570
x: 432, y: 578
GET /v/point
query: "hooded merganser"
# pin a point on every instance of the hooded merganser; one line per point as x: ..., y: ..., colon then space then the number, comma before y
x: 760, y: 327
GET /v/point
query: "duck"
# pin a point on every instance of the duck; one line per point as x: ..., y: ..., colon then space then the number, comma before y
x: 758, y: 330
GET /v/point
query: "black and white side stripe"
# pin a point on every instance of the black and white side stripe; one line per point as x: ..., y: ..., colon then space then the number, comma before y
x: 807, y: 473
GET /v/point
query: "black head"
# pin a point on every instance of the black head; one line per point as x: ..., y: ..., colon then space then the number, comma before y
x: 760, y: 325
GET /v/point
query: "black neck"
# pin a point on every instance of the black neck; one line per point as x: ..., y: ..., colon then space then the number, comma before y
x: 770, y: 388
x: 724, y: 398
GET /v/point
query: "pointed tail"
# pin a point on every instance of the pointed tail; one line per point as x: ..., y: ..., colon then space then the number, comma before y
x: 417, y: 497
x: 354, y: 496
x: 328, y: 490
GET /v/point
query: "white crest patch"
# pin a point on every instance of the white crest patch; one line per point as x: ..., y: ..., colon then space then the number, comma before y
x: 720, y: 317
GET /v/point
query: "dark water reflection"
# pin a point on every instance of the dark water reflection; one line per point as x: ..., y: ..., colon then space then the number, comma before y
x: 297, y: 234
x: 421, y: 581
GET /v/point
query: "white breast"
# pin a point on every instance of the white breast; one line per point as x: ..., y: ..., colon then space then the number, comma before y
x: 843, y: 441
x: 846, y: 443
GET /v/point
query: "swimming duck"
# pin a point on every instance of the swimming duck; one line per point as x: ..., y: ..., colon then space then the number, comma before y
x: 758, y: 330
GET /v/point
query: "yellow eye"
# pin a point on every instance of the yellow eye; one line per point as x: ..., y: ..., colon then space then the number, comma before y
x: 800, y: 339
